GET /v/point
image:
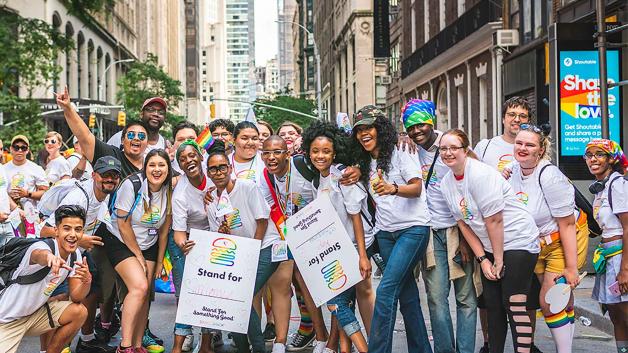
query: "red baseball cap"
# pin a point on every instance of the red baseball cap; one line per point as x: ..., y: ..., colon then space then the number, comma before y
x: 153, y: 100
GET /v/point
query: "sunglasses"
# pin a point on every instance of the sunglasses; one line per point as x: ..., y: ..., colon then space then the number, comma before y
x: 130, y: 135
x: 531, y: 127
x: 22, y: 148
x: 50, y: 141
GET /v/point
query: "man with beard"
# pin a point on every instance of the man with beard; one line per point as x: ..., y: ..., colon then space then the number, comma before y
x: 90, y: 196
x: 153, y: 114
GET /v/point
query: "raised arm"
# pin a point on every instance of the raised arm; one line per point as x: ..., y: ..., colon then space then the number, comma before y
x: 77, y: 125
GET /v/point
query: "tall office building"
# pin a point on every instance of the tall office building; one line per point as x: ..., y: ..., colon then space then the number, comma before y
x: 285, y: 15
x: 240, y: 56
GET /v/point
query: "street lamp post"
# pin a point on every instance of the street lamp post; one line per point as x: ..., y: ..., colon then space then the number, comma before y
x: 101, y: 97
x: 317, y: 57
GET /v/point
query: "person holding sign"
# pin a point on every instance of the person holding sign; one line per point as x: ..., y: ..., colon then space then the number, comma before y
x: 402, y: 216
x: 323, y: 144
x: 189, y: 211
x: 501, y: 233
x: 138, y: 225
x: 549, y: 197
x: 239, y: 209
x: 608, y: 163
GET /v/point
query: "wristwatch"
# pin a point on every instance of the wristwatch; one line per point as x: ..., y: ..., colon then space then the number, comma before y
x: 396, y: 188
x: 479, y: 259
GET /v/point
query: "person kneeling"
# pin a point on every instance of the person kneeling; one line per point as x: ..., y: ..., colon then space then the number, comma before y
x: 44, y: 264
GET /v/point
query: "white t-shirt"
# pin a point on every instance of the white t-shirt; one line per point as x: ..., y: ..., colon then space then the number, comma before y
x: 347, y: 200
x: 394, y: 212
x: 483, y: 193
x: 19, y: 301
x: 498, y: 153
x: 57, y: 169
x: 555, y: 200
x: 441, y: 216
x: 607, y: 218
x: 248, y: 206
x: 188, y: 206
x: 251, y: 170
x: 27, y: 176
x: 147, y: 216
x: 4, y: 191
x: 116, y: 140
x: 74, y: 160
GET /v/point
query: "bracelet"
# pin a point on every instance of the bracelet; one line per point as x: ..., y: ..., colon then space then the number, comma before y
x: 30, y: 195
x: 479, y: 259
x: 396, y: 189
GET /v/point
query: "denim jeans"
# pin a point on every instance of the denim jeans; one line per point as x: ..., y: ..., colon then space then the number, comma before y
x: 265, y: 269
x: 6, y: 232
x: 437, y: 286
x: 342, y: 307
x: 178, y: 263
x: 401, y: 250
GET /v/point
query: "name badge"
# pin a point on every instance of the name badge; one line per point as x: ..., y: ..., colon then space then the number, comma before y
x: 152, y: 232
x: 279, y: 252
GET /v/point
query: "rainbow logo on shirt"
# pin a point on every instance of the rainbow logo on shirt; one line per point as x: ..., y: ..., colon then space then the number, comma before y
x: 54, y: 282
x: 334, y: 275
x: 504, y: 161
x: 297, y: 199
x: 523, y: 197
x: 464, y: 209
x: 151, y: 218
x: 234, y: 221
x: 433, y: 179
x: 223, y: 252
x: 246, y: 174
x: 18, y: 181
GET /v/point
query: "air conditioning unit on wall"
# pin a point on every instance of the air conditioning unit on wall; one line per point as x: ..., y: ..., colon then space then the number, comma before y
x: 386, y: 80
x: 506, y: 38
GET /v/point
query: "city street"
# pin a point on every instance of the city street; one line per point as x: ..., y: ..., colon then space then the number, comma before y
x: 586, y: 340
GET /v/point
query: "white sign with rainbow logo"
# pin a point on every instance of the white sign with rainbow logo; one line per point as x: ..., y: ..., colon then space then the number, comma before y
x: 323, y: 250
x: 218, y: 281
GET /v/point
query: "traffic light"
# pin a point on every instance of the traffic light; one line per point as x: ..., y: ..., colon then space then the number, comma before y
x: 121, y: 118
x: 212, y: 110
x: 92, y: 121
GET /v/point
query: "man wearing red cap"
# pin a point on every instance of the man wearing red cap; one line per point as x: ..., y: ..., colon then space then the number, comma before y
x: 153, y: 114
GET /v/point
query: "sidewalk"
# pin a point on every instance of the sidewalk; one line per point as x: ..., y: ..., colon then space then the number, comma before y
x: 590, y: 308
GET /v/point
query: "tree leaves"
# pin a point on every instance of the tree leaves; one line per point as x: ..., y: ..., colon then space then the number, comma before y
x: 276, y: 117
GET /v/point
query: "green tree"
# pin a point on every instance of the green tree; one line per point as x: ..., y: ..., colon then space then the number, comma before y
x: 147, y: 79
x: 275, y: 117
x: 28, y: 51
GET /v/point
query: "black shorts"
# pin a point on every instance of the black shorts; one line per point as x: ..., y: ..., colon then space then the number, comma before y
x: 93, y: 269
x: 117, y: 251
x: 533, y: 302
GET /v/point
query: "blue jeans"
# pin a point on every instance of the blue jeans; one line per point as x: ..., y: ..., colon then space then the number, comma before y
x: 342, y: 307
x: 178, y: 263
x: 265, y: 269
x: 401, y: 251
x: 437, y: 286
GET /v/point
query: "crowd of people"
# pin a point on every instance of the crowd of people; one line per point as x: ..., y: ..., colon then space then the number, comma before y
x: 497, y: 222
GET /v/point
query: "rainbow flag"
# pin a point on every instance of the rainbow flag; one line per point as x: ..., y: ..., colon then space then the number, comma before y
x: 205, y: 139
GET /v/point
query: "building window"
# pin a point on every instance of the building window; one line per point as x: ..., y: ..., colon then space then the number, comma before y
x: 460, y: 106
x: 461, y: 8
x: 426, y: 20
x: 353, y: 53
x: 483, y: 99
x: 514, y: 14
x: 441, y: 15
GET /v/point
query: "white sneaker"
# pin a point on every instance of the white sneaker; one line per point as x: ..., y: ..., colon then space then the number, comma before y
x: 279, y: 348
x: 329, y: 350
x: 188, y: 343
x: 319, y: 346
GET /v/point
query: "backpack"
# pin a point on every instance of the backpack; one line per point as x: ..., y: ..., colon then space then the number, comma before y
x: 136, y: 180
x: 583, y: 204
x: 610, y: 194
x: 11, y: 255
x: 52, y: 198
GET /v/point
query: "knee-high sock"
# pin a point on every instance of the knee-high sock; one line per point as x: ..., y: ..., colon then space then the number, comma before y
x: 560, y: 327
x: 306, y: 327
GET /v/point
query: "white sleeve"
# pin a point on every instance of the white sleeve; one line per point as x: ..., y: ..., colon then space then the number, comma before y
x: 620, y: 196
x: 65, y: 168
x: 73, y: 161
x: 353, y: 196
x: 558, y: 192
x: 480, y: 148
x: 261, y: 210
x: 409, y: 166
x: 446, y: 190
x: 74, y: 197
x: 179, y: 211
x: 485, y: 186
x: 116, y: 139
x: 125, y: 197
x: 211, y: 217
x: 40, y: 177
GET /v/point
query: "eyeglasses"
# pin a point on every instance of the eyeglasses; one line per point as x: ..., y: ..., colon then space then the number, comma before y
x: 522, y: 116
x: 222, y: 168
x: 598, y: 155
x: 153, y: 110
x: 452, y: 149
x: 224, y: 135
x: 50, y: 141
x: 275, y: 153
x: 22, y: 148
x: 130, y: 135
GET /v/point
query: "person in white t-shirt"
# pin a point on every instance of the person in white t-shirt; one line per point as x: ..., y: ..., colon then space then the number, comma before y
x: 189, y: 211
x: 57, y: 167
x: 501, y: 233
x: 245, y: 159
x: 6, y: 206
x: 222, y: 129
x: 182, y: 132
x: 137, y: 238
x: 25, y: 309
x: 608, y: 163
x: 153, y: 114
x: 402, y: 219
x: 448, y: 259
x: 324, y: 145
x: 81, y: 168
x: 549, y: 196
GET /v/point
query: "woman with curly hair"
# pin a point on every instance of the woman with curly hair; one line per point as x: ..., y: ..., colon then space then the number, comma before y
x: 324, y: 145
x: 395, y: 182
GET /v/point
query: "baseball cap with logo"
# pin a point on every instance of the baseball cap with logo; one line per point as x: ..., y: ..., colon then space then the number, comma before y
x: 107, y: 163
x: 155, y: 100
x: 367, y: 115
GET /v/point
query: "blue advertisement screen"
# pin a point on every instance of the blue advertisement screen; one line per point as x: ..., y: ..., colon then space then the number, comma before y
x: 580, y: 113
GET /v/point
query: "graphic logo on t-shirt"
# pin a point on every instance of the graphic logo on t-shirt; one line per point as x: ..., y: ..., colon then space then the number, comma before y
x: 151, y: 218
x: 2, y: 181
x: 597, y: 203
x: 373, y: 180
x: 433, y: 178
x: 234, y: 221
x: 464, y: 209
x: 90, y: 227
x: 523, y: 197
x: 247, y: 174
x: 18, y: 181
x: 334, y: 275
x: 54, y: 282
x: 504, y: 161
x: 223, y: 252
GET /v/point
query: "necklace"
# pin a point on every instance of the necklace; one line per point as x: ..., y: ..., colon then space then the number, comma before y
x: 249, y: 169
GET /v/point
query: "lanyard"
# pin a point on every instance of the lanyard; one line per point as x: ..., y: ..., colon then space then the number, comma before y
x: 285, y: 205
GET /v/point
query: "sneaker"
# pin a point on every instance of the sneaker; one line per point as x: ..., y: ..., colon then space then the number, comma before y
x: 300, y: 342
x: 93, y: 346
x: 126, y: 350
x: 319, y: 346
x: 279, y: 348
x: 151, y: 345
x: 535, y: 349
x: 269, y: 333
x: 329, y: 350
x: 217, y: 339
x: 484, y: 348
x: 188, y: 343
x: 153, y: 336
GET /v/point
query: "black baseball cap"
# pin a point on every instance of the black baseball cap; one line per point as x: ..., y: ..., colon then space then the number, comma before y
x: 107, y: 163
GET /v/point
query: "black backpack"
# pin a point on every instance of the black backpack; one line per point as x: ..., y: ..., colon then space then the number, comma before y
x: 11, y: 255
